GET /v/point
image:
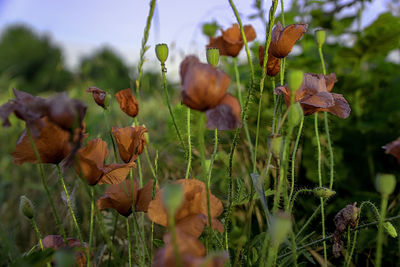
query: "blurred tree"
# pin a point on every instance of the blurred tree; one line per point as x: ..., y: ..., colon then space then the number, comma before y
x: 32, y: 61
x: 106, y: 70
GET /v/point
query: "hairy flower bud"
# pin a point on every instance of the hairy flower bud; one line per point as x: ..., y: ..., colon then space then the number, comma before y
x: 26, y: 207
x: 172, y: 197
x: 162, y: 52
x: 323, y: 192
x: 213, y: 56
x: 385, y: 183
x: 320, y: 36
x: 389, y: 228
x: 275, y: 145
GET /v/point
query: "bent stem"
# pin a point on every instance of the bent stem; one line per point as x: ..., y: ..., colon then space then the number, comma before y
x: 189, y: 140
x: 69, y: 204
x: 46, y: 187
x: 163, y: 70
x: 320, y: 184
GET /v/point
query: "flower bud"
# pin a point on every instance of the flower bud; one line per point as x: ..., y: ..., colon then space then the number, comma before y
x: 162, y: 52
x: 389, y: 228
x: 281, y: 226
x: 295, y: 114
x: 295, y: 79
x: 213, y: 56
x: 107, y: 101
x: 323, y: 192
x: 385, y: 183
x: 275, y: 145
x: 320, y: 36
x: 26, y: 207
x: 172, y: 197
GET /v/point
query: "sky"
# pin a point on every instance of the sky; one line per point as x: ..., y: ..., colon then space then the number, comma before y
x: 82, y: 26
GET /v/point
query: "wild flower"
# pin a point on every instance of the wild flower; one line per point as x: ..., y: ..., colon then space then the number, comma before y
x: 315, y: 95
x: 130, y: 141
x: 127, y: 102
x: 99, y: 96
x: 230, y: 43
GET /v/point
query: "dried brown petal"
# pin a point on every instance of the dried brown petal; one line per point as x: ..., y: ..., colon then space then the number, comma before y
x: 130, y: 141
x: 348, y: 216
x: 273, y: 63
x: 53, y: 145
x: 203, y: 85
x: 127, y: 102
x: 145, y: 195
x: 56, y: 242
x: 283, y: 40
x: 225, y: 116
x: 99, y: 95
x: 394, y: 149
x: 119, y: 197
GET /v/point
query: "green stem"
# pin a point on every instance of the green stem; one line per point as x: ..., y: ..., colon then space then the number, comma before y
x: 320, y: 184
x: 144, y: 47
x: 294, y: 246
x: 46, y: 187
x: 38, y: 235
x: 378, y: 257
x: 69, y: 204
x: 292, y: 200
x: 99, y: 220
x: 108, y: 127
x: 189, y: 140
x: 296, y: 144
x: 272, y: 251
x: 209, y: 177
x: 116, y: 216
x: 128, y: 236
x: 91, y: 223
x: 174, y: 241
x: 246, y: 128
x: 201, y: 127
x: 316, y: 211
x: 283, y: 14
x: 163, y: 70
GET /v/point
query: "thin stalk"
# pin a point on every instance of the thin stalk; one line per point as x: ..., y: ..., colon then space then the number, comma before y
x: 108, y: 127
x: 301, y: 191
x: 116, y: 216
x: 209, y: 177
x: 246, y: 129
x: 201, y: 142
x: 189, y: 140
x: 378, y: 257
x: 283, y: 14
x: 69, y: 204
x: 320, y: 184
x: 99, y: 220
x: 38, y: 235
x: 272, y: 251
x: 174, y: 241
x: 294, y: 246
x: 296, y: 144
x: 46, y: 187
x: 315, y: 213
x: 128, y: 236
x: 91, y: 223
x: 144, y: 47
x: 163, y: 70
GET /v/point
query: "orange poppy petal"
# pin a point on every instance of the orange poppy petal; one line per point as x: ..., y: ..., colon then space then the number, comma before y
x: 192, y: 225
x: 232, y: 35
x: 156, y: 210
x: 218, y: 42
x: 115, y: 173
x: 283, y: 40
x: 250, y: 33
x: 145, y: 195
x: 130, y: 141
x: 273, y: 63
x: 127, y: 102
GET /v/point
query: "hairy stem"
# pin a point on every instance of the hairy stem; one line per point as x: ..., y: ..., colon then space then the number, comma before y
x: 378, y: 257
x: 189, y: 140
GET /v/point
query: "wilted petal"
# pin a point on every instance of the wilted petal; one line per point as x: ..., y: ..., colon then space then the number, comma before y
x: 115, y: 173
x: 249, y: 32
x: 53, y: 241
x: 394, y: 149
x: 273, y: 63
x: 119, y: 197
x: 56, y: 242
x: 192, y: 225
x: 320, y: 100
x: 127, y: 102
x: 203, y: 85
x: 330, y: 81
x: 99, y: 95
x: 283, y: 40
x: 130, y: 141
x: 145, y: 195
x: 341, y: 108
x: 53, y: 145
x: 226, y: 115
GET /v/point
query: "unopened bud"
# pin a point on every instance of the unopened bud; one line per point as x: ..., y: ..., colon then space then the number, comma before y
x: 320, y: 36
x: 295, y: 114
x: 389, y: 228
x: 323, y: 192
x: 172, y: 197
x: 213, y: 56
x: 295, y: 79
x: 26, y: 207
x: 385, y: 183
x: 275, y: 143
x: 162, y: 52
x: 281, y: 226
x: 107, y: 101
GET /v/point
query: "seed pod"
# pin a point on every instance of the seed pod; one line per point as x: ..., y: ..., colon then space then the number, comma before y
x: 213, y: 56
x: 389, y: 228
x: 320, y: 36
x: 385, y: 183
x: 162, y: 52
x: 26, y: 207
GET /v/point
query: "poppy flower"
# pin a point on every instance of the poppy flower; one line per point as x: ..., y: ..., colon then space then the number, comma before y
x: 127, y: 102
x: 191, y: 251
x: 60, y: 109
x: 282, y: 42
x: 56, y: 242
x: 315, y: 95
x: 90, y: 164
x: 230, y: 42
x: 192, y: 215
x: 204, y: 86
x: 130, y: 141
x: 119, y: 197
x: 53, y: 144
x: 346, y: 217
x: 393, y: 148
x: 99, y: 96
x: 225, y: 116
